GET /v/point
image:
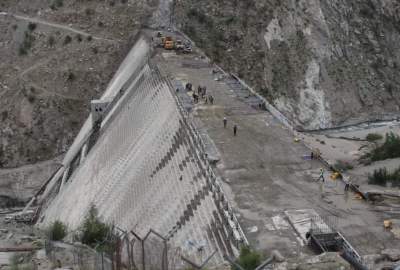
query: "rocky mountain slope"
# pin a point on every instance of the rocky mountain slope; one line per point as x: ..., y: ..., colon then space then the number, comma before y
x: 56, y: 56
x: 323, y: 63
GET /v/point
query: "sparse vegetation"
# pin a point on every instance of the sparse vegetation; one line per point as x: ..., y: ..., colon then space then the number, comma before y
x: 342, y: 165
x: 51, y: 41
x: 67, y: 39
x: 89, y: 38
x: 372, y: 137
x: 17, y: 262
x: 89, y: 11
x: 78, y: 37
x: 32, y: 26
x: 26, y: 44
x: 248, y: 259
x: 56, y: 4
x: 57, y: 231
x: 389, y: 149
x: 70, y: 76
x: 96, y: 233
x: 382, y: 177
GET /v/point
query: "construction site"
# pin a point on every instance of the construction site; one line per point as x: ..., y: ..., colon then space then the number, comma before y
x: 192, y: 167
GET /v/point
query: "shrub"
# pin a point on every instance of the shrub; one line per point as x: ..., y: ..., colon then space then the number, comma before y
x: 70, y: 76
x: 26, y: 43
x: 389, y: 149
x: 89, y: 38
x: 248, y: 259
x: 342, y: 165
x: 57, y: 231
x: 56, y: 4
x: 79, y: 37
x: 89, y: 11
x: 95, y: 233
x: 51, y: 41
x: 32, y: 26
x: 372, y: 137
x: 67, y: 39
x: 382, y: 177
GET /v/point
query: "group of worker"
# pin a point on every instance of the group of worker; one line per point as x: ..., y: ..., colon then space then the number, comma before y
x: 202, y: 93
x: 322, y: 178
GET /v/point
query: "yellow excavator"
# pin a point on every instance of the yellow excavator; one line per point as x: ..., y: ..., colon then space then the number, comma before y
x: 168, y: 43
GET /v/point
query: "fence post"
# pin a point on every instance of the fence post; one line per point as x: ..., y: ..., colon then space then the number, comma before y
x: 118, y: 254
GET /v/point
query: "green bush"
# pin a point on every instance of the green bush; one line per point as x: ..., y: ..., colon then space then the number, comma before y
x: 389, y: 149
x: 57, y: 231
x: 96, y: 233
x: 382, y: 177
x: 248, y: 259
x: 372, y: 137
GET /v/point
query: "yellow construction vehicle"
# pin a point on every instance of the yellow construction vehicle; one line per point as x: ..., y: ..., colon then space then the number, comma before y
x: 169, y: 43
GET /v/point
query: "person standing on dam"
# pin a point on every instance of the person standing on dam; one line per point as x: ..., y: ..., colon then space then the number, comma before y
x: 234, y: 130
x: 225, y: 122
x: 321, y: 175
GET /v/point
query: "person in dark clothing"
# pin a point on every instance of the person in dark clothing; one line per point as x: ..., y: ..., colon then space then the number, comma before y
x: 211, y: 98
x: 234, y: 130
x: 225, y: 122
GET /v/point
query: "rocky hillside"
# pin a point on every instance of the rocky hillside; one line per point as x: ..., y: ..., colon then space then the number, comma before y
x: 322, y: 63
x: 57, y: 55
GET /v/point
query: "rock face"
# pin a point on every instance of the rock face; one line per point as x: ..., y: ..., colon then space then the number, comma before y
x: 55, y: 57
x: 322, y: 63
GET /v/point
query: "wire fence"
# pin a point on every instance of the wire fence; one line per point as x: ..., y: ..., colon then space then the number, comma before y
x: 129, y: 252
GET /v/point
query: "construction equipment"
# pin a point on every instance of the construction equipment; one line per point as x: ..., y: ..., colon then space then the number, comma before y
x: 169, y: 43
x: 179, y: 45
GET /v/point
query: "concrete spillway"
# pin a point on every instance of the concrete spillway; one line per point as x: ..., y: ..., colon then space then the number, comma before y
x: 143, y: 168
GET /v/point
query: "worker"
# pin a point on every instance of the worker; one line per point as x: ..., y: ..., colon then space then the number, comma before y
x: 225, y: 122
x: 204, y: 92
x: 234, y: 130
x: 347, y: 186
x: 195, y: 98
x: 211, y: 98
x: 321, y: 175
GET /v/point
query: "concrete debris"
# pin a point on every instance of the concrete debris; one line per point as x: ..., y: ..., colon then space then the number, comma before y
x: 326, y: 261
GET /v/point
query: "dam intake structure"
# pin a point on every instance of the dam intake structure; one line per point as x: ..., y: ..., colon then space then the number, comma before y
x: 139, y: 160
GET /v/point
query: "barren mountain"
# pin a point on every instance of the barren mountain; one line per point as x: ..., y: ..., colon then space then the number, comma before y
x: 56, y: 56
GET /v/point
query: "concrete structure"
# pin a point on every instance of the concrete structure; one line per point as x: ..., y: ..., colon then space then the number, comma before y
x: 143, y: 167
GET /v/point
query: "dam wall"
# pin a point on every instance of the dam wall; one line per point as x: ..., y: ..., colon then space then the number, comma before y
x: 143, y: 167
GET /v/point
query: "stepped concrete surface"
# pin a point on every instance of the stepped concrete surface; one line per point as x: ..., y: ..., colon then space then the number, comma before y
x: 143, y: 168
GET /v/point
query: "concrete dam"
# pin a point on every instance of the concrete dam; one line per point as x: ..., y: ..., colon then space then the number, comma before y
x: 140, y: 161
